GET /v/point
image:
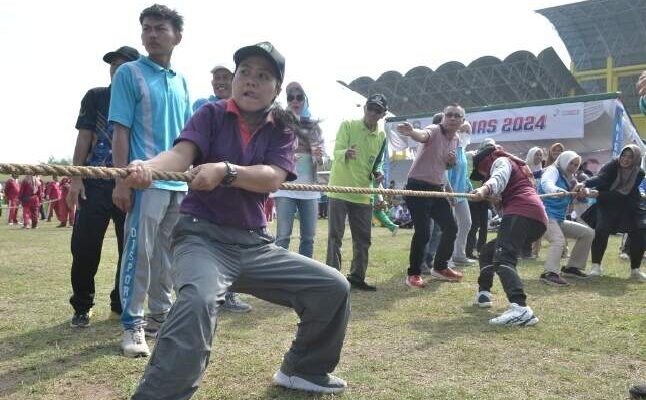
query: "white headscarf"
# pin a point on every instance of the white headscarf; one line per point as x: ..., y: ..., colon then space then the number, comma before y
x: 530, y: 159
x: 564, y: 159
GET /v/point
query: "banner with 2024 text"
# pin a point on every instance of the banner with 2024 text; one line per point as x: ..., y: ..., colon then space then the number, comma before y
x: 548, y: 122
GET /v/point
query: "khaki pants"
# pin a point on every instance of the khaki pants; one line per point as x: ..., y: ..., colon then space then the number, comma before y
x: 556, y: 233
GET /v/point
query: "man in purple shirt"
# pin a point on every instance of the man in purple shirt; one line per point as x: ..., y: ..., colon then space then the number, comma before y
x: 242, y: 149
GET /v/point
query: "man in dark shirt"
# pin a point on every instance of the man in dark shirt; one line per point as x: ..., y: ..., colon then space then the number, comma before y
x: 93, y: 197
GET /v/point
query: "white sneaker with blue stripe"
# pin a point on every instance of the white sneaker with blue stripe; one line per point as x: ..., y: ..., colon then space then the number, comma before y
x: 516, y: 316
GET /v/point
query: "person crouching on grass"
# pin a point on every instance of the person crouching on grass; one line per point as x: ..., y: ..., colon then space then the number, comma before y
x: 241, y: 149
x: 523, y: 219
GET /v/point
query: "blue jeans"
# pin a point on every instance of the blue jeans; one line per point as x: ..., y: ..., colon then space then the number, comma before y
x: 432, y: 244
x: 307, y: 214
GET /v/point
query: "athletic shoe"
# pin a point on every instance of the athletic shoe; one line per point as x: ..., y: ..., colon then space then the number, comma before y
x: 81, y: 320
x: 553, y: 279
x: 153, y: 325
x: 638, y: 392
x: 415, y: 281
x: 359, y: 284
x: 573, y: 272
x: 395, y: 230
x: 327, y: 383
x: 638, y: 275
x: 232, y: 303
x: 134, y: 343
x: 447, y: 274
x: 483, y: 299
x: 424, y: 269
x: 516, y: 316
x: 466, y: 262
x: 595, y: 270
x: 624, y: 256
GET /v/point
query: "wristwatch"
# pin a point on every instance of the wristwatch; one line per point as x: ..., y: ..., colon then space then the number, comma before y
x: 230, y: 176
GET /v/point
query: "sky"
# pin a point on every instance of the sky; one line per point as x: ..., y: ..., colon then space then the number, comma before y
x: 52, y: 51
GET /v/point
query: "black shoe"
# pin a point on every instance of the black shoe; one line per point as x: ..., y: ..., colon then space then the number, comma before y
x: 638, y: 391
x: 80, y: 320
x: 573, y: 272
x: 359, y: 284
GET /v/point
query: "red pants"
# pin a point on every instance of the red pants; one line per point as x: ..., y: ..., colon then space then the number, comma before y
x: 65, y: 214
x: 30, y: 211
x: 13, y: 211
x: 54, y: 208
x: 269, y: 209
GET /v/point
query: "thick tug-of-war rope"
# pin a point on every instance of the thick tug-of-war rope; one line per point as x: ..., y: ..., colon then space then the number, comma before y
x: 112, y: 173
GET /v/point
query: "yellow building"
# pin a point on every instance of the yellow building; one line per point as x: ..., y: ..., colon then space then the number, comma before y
x: 605, y: 40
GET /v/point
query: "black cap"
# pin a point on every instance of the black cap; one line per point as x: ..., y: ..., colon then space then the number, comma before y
x: 263, y: 49
x: 378, y: 99
x: 126, y: 52
x: 477, y: 158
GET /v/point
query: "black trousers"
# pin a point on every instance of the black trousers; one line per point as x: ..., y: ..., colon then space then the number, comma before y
x: 92, y: 219
x: 479, y: 219
x: 422, y: 209
x: 634, y: 246
x: 500, y: 256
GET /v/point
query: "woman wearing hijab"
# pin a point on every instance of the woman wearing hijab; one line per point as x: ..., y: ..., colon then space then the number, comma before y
x: 534, y: 161
x: 523, y: 219
x: 559, y: 177
x: 308, y: 154
x: 552, y: 154
x: 617, y: 208
x: 458, y: 178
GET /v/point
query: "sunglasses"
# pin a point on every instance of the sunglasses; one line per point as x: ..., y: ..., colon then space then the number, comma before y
x: 298, y: 97
x: 454, y: 115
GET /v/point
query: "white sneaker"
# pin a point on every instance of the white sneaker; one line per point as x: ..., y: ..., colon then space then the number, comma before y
x: 483, y: 299
x: 465, y: 262
x: 516, y: 316
x: 134, y: 343
x: 327, y: 383
x: 395, y: 231
x: 595, y: 270
x: 624, y: 256
x: 637, y: 275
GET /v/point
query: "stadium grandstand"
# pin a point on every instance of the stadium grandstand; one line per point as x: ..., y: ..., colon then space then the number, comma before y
x: 605, y: 40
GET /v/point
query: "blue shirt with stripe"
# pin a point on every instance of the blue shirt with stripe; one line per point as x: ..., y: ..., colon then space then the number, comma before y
x: 458, y: 175
x: 556, y: 207
x: 153, y: 102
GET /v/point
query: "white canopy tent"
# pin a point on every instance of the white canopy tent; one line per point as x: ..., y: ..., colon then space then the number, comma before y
x: 595, y: 126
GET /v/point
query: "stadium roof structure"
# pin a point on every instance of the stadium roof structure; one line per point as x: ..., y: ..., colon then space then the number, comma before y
x: 520, y: 77
x: 594, y: 30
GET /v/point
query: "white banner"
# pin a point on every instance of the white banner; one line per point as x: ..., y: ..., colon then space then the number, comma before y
x: 550, y: 122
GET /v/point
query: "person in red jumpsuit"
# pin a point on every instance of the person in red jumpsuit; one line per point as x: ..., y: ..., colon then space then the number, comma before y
x: 11, y: 194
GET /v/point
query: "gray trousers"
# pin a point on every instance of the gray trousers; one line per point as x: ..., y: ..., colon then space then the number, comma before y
x: 360, y: 220
x: 208, y: 259
x: 146, y: 260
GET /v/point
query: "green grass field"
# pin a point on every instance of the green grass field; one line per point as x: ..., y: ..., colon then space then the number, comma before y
x: 401, y: 343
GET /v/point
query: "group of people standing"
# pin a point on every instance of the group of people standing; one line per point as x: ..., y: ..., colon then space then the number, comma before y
x: 33, y: 195
x: 208, y: 240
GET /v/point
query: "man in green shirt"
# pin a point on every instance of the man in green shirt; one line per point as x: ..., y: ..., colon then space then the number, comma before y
x: 358, y: 161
